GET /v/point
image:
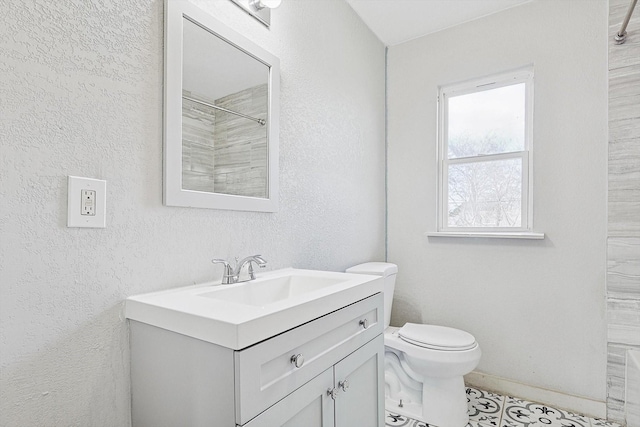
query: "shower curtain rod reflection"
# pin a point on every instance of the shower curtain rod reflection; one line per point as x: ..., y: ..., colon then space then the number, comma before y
x: 197, y: 101
x: 621, y: 36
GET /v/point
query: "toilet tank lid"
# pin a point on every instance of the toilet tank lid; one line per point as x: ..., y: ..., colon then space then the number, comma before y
x: 377, y: 268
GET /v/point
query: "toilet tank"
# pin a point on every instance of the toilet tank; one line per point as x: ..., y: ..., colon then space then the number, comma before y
x: 388, y: 271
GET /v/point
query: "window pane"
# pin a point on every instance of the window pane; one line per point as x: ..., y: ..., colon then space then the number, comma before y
x: 485, y: 194
x: 487, y: 122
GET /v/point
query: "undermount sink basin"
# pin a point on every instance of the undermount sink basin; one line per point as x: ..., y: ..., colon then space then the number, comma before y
x: 242, y: 314
x: 268, y: 291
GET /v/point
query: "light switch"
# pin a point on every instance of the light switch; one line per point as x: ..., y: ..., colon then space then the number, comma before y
x: 86, y: 206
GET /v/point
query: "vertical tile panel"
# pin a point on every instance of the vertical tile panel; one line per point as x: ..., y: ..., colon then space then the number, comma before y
x: 624, y: 321
x: 615, y: 382
x: 623, y: 268
x: 623, y: 254
x: 624, y: 218
x: 628, y: 53
x: 241, y: 144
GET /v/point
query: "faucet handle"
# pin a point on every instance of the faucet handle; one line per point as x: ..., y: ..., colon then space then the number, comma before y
x: 259, y: 261
x: 220, y: 261
x: 227, y: 277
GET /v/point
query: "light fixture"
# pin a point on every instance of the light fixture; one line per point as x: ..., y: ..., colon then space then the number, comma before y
x: 261, y: 4
x: 259, y: 9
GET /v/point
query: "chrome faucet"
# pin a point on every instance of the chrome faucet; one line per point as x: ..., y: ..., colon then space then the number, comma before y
x: 257, y: 259
x: 231, y: 275
x: 227, y: 277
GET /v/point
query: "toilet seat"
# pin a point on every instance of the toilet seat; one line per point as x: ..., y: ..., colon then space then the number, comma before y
x: 435, y: 337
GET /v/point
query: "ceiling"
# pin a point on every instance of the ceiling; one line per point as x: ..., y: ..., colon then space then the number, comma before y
x: 397, y: 21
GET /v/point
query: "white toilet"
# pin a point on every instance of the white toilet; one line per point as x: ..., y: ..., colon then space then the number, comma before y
x: 424, y: 364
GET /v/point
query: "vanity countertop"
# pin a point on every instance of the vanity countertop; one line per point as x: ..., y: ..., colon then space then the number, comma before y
x: 242, y: 314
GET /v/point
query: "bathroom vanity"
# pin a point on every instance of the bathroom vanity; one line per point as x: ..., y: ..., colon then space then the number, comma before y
x: 291, y: 348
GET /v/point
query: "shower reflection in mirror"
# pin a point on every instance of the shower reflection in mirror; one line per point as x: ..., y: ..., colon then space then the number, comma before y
x: 224, y: 112
x: 221, y: 115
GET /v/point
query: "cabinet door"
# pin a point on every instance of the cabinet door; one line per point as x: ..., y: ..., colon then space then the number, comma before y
x: 265, y: 374
x: 308, y: 406
x: 360, y: 400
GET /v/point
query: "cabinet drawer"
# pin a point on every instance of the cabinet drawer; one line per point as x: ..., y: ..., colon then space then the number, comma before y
x: 265, y: 372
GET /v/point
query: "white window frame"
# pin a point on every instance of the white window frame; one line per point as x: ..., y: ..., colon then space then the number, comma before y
x: 525, y: 76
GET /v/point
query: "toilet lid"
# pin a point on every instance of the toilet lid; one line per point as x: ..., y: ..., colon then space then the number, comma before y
x: 437, y: 337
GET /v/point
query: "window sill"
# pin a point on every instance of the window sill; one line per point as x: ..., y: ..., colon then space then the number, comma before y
x: 530, y: 235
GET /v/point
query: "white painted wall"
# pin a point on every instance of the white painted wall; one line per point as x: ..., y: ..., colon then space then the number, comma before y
x: 536, y: 307
x: 81, y: 94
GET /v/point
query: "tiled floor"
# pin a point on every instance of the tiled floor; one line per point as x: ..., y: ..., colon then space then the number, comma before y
x: 489, y: 409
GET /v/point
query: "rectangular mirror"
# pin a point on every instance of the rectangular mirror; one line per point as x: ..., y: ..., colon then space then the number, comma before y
x: 221, y: 115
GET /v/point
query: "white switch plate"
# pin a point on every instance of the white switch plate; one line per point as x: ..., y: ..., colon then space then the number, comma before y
x: 90, y: 213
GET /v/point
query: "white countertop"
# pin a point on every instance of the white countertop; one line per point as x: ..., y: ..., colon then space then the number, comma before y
x: 194, y: 311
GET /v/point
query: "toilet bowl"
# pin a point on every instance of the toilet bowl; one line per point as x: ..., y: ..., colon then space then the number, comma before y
x: 424, y: 364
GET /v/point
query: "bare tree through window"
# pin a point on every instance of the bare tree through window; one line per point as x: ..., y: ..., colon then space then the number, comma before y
x: 485, y: 133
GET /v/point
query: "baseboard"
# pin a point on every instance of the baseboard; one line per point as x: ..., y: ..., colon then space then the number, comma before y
x: 577, y: 404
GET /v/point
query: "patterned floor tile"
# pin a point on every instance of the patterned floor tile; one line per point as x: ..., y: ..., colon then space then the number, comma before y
x: 521, y: 413
x: 598, y: 423
x: 484, y: 407
x: 392, y: 419
x: 493, y: 410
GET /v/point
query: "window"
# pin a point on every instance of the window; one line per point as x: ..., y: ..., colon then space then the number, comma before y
x: 484, y: 151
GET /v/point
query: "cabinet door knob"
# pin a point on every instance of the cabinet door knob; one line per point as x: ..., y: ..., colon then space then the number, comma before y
x: 297, y: 360
x: 332, y: 392
x: 344, y: 385
x: 364, y: 323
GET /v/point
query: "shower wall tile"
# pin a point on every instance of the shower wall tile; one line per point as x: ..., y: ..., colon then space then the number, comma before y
x: 222, y: 152
x: 624, y: 92
x: 627, y: 106
x: 197, y: 145
x: 628, y: 53
x: 241, y: 144
x: 623, y: 244
x: 617, y: 11
x: 618, y: 56
x: 623, y: 268
x: 624, y: 82
x: 623, y: 317
x: 620, y: 129
x: 624, y: 169
x: 198, y: 182
x: 616, y: 357
x: 201, y: 158
x: 615, y: 410
x: 624, y: 218
x: 633, y: 388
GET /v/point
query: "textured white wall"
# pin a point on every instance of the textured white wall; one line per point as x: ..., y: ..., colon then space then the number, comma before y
x: 536, y: 307
x: 81, y: 94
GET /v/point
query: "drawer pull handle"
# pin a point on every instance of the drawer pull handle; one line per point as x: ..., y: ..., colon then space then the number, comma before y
x: 364, y: 323
x: 297, y: 360
x: 344, y: 385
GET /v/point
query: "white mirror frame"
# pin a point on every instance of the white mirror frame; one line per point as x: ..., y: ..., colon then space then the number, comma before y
x: 174, y: 195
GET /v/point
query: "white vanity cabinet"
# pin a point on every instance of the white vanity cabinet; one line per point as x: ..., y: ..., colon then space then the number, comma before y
x: 326, y: 372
